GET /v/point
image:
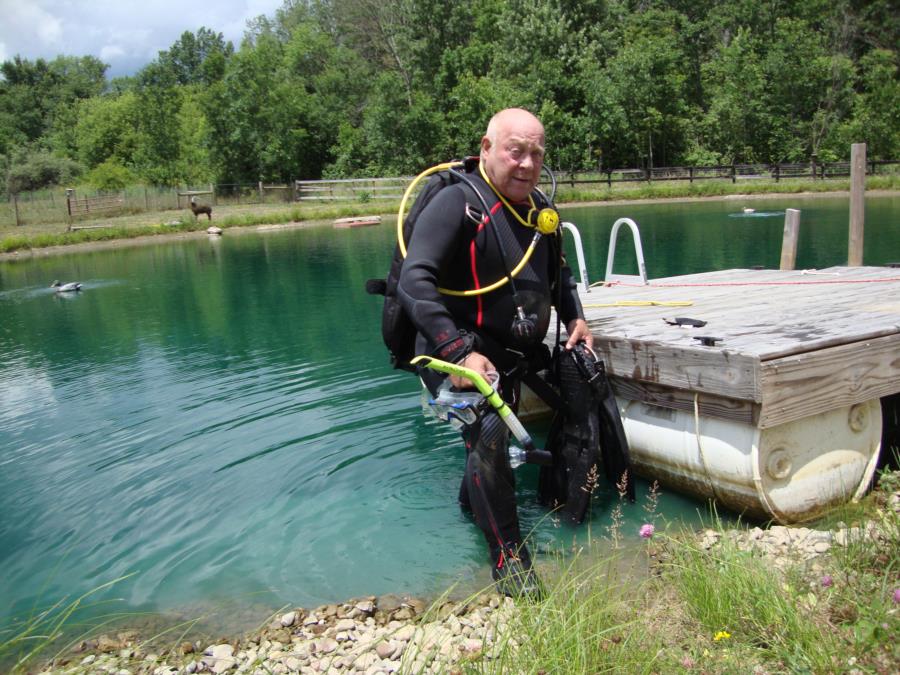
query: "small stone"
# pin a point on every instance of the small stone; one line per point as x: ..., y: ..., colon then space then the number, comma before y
x: 821, y: 546
x: 223, y: 665
x: 471, y: 646
x: 366, y: 607
x: 221, y: 651
x: 345, y: 625
x: 186, y: 648
x: 106, y: 644
x: 88, y: 660
x: 288, y: 619
x: 405, y: 633
x: 326, y: 645
x: 293, y: 663
x: 385, y: 649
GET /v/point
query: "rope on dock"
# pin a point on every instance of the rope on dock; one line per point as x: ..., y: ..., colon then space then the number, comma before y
x: 755, y: 283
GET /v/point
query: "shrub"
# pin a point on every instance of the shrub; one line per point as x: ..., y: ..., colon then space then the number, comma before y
x: 40, y: 169
x: 110, y: 176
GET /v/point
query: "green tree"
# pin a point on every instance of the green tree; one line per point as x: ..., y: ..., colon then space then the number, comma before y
x: 106, y: 129
x: 197, y: 58
x: 875, y: 117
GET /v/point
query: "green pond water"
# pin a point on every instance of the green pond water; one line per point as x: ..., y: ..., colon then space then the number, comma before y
x: 217, y: 417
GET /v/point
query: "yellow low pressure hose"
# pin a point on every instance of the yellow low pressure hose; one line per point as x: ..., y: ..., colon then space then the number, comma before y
x: 446, y: 166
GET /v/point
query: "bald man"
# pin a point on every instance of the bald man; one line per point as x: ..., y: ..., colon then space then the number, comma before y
x: 455, y: 245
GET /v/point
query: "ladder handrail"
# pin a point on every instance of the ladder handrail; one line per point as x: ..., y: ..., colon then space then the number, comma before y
x: 583, y: 285
x: 638, y: 250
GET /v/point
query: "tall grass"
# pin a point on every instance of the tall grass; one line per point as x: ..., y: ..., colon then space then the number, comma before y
x: 26, y: 641
x: 735, y: 593
x: 723, y: 610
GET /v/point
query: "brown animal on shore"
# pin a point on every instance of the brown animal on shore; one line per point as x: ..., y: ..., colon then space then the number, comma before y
x: 198, y: 209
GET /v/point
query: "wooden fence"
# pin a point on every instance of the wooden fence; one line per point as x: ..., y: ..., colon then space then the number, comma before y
x: 44, y: 207
x: 733, y: 172
x: 351, y: 189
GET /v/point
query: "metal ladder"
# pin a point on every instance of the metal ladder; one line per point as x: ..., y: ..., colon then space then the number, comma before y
x: 641, y: 277
x: 584, y: 285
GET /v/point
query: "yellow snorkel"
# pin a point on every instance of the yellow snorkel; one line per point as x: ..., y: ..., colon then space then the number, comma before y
x: 532, y: 454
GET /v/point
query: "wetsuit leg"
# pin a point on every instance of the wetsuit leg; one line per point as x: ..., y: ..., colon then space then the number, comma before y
x: 491, y: 488
x: 489, y: 480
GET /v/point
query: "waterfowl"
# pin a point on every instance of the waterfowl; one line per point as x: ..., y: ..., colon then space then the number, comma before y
x: 747, y: 209
x: 65, y: 288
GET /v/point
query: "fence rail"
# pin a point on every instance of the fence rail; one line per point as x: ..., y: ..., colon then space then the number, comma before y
x: 354, y: 189
x: 49, y: 206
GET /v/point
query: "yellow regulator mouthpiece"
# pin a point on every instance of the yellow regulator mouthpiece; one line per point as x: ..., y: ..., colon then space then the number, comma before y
x: 547, y: 221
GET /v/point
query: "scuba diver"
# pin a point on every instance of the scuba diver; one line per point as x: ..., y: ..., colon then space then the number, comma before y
x: 483, y: 268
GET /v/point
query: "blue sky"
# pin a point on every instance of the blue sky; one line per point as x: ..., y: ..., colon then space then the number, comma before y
x: 124, y: 34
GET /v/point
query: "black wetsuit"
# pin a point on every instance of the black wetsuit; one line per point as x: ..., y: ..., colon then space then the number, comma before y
x: 450, y: 249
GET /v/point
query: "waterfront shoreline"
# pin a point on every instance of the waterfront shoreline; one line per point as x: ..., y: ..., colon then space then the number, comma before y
x: 164, y: 237
x: 387, y: 635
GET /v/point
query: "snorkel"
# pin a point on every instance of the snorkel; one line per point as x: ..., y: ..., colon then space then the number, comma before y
x: 532, y: 454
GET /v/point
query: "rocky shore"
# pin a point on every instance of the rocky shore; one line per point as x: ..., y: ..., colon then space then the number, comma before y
x: 389, y: 634
x: 367, y: 635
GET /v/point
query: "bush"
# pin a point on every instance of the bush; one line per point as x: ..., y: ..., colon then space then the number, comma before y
x: 110, y: 176
x: 40, y: 169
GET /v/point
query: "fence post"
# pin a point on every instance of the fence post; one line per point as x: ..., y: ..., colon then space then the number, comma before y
x: 70, y: 193
x: 609, y: 179
x: 812, y: 165
x: 857, y: 203
x: 789, y: 239
x: 15, y: 201
x: 690, y: 175
x: 733, y: 174
x: 777, y: 172
x: 260, y: 191
x: 212, y: 190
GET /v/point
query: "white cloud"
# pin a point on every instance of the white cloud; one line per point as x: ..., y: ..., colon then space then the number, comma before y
x: 111, y: 53
x: 126, y: 35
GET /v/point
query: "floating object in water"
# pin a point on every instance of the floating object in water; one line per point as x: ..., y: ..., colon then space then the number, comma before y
x: 753, y: 213
x: 212, y: 229
x: 685, y: 321
x: 357, y: 221
x: 70, y: 287
x: 747, y: 209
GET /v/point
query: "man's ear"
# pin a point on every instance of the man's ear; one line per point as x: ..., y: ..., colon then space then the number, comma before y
x: 485, y: 145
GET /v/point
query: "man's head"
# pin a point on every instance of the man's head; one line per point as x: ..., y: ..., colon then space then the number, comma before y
x: 512, y: 152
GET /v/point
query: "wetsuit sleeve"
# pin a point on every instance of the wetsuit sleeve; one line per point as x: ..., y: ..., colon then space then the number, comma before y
x: 570, y: 304
x: 436, y: 238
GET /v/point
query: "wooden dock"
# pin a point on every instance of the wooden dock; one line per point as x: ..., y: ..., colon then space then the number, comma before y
x: 792, y: 343
x: 796, y: 354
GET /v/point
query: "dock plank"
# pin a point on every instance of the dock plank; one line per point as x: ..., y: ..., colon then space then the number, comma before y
x: 803, y: 384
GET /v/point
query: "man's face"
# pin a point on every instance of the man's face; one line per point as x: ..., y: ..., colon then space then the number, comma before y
x: 513, y: 160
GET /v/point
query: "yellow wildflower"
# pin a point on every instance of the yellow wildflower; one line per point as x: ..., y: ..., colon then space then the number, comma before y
x: 722, y: 635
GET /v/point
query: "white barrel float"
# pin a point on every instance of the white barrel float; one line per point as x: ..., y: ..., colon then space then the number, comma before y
x: 790, y: 473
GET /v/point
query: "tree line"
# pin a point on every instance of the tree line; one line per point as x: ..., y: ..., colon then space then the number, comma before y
x: 347, y: 88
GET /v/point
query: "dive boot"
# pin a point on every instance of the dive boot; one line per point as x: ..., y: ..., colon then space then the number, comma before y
x: 513, y: 573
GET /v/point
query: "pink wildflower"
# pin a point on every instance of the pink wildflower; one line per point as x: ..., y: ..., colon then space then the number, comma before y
x: 646, y: 530
x: 897, y: 595
x: 827, y: 581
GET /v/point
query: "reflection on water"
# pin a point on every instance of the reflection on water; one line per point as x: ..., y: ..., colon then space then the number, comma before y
x: 219, y: 418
